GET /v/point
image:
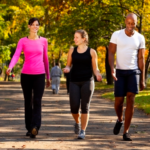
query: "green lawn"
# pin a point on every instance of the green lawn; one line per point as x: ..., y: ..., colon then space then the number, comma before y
x: 142, y: 99
x: 101, y: 85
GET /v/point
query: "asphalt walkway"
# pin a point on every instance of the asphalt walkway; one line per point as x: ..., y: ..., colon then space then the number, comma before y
x: 57, y: 133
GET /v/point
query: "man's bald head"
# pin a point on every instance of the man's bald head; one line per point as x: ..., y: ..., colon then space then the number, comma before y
x: 131, y: 22
x: 132, y: 16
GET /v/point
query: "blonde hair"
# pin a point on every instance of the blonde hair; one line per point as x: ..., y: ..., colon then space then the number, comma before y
x: 83, y: 34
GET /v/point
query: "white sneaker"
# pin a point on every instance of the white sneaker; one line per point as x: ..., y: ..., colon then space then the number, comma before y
x: 81, y: 134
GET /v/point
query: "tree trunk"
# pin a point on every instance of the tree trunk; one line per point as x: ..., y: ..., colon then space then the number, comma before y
x: 109, y: 77
x: 147, y: 65
x: 53, y: 60
x: 6, y: 77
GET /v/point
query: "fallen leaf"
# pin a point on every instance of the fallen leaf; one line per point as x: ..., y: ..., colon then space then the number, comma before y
x: 23, y: 146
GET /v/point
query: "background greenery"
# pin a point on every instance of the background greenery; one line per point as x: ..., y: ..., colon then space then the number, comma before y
x: 61, y: 18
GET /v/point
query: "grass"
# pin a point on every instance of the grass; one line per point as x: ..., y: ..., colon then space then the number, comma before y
x: 102, y: 85
x: 142, y: 100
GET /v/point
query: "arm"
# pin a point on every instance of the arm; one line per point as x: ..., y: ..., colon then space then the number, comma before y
x: 111, y: 53
x: 141, y: 65
x: 60, y: 72
x: 95, y: 65
x: 15, y: 56
x: 69, y: 61
x: 46, y: 62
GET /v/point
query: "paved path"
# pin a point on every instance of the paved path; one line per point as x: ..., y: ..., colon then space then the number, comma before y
x: 57, y: 124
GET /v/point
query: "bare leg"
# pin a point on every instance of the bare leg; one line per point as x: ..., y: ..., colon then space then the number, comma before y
x: 119, y: 107
x: 84, y: 121
x: 129, y: 111
x: 76, y: 117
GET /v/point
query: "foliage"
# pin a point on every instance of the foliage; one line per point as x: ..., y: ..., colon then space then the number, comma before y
x: 60, y: 19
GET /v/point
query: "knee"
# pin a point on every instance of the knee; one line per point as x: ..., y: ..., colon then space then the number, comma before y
x: 130, y: 99
x: 85, y: 108
x: 130, y: 96
x: 37, y: 102
x: 74, y: 108
x: 119, y: 102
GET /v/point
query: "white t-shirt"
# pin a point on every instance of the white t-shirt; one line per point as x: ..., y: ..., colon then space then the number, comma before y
x: 127, y: 49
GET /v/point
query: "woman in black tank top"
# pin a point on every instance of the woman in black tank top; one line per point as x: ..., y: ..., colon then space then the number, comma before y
x: 83, y: 60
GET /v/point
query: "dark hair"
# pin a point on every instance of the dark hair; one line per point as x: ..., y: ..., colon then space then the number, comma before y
x: 32, y: 20
x: 57, y: 64
x: 83, y: 34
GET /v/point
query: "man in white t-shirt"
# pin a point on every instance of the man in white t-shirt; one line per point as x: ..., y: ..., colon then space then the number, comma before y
x: 129, y: 47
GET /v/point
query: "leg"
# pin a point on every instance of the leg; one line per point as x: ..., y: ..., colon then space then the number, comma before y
x: 67, y: 86
x: 119, y: 107
x: 75, y: 100
x: 57, y: 84
x: 76, y: 118
x: 26, y: 83
x: 132, y: 88
x: 68, y: 82
x: 129, y: 111
x: 53, y: 85
x: 84, y: 121
x: 87, y: 90
x: 120, y: 92
x: 38, y: 90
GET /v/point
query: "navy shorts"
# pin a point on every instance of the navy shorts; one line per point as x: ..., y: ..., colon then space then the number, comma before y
x: 128, y: 81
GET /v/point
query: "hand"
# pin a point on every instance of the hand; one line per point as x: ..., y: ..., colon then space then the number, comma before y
x: 98, y: 77
x: 8, y: 71
x: 66, y: 69
x: 114, y: 76
x: 48, y: 83
x: 142, y: 85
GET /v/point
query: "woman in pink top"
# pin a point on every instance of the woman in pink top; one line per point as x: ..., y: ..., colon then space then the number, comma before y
x: 32, y: 75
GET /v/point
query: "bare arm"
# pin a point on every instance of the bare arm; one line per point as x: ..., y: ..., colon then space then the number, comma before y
x: 112, y: 50
x: 94, y: 61
x: 95, y: 65
x: 69, y: 58
x: 69, y: 61
x: 141, y: 65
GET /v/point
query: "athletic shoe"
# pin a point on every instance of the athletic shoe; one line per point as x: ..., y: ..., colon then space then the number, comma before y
x: 53, y: 91
x: 126, y: 137
x: 77, y: 128
x: 117, y: 127
x: 28, y: 133
x: 34, y: 132
x: 81, y: 134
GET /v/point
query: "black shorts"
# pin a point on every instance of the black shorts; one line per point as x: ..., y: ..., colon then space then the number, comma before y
x: 128, y: 81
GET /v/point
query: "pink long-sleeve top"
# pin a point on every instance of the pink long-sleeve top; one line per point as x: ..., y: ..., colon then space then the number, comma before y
x: 36, y: 57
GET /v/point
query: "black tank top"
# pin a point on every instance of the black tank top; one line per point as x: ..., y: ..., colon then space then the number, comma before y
x: 81, y: 66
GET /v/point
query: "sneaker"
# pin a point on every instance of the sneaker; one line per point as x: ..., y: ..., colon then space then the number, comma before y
x: 126, y: 137
x: 81, y: 134
x: 28, y: 133
x: 53, y: 91
x: 34, y: 132
x: 77, y: 128
x: 32, y: 136
x: 117, y: 127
